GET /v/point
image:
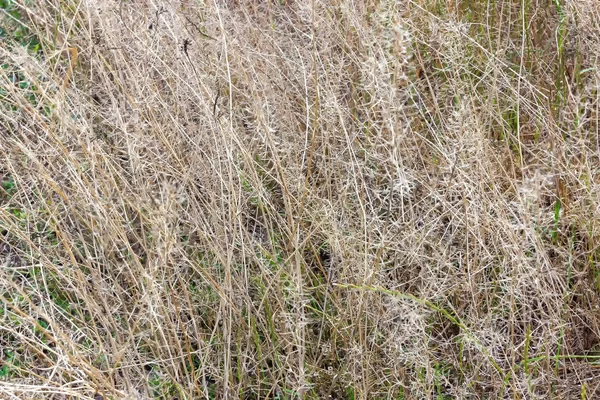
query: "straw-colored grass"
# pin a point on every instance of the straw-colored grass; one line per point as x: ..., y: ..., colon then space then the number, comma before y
x: 299, y: 199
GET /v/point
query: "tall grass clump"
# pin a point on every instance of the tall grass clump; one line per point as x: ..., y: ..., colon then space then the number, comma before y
x: 299, y: 199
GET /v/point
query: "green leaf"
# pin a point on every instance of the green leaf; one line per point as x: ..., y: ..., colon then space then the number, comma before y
x: 557, y: 207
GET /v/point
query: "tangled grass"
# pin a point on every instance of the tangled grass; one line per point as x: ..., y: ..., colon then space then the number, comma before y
x: 296, y: 199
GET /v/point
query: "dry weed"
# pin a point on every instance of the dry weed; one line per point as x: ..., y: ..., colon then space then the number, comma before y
x: 296, y: 199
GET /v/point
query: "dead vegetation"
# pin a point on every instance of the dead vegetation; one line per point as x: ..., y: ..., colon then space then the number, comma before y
x: 279, y: 199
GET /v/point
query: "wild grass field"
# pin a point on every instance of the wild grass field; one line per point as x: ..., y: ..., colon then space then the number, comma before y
x: 335, y: 199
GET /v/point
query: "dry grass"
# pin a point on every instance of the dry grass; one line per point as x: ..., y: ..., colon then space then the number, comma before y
x: 350, y: 200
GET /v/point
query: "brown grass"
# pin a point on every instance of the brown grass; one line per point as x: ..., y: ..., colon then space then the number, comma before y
x: 280, y: 199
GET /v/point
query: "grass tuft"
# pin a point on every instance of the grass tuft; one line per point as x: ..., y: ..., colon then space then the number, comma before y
x: 285, y: 199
